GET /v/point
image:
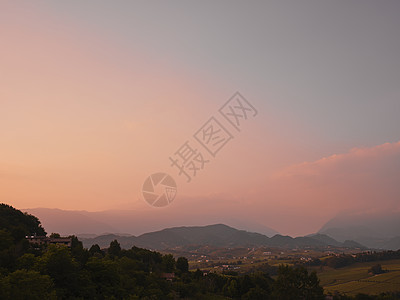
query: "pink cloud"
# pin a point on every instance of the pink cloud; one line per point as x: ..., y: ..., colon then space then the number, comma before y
x: 307, y: 194
x: 360, y: 158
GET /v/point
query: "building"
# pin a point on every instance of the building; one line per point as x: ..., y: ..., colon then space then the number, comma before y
x: 44, y: 240
x: 168, y: 276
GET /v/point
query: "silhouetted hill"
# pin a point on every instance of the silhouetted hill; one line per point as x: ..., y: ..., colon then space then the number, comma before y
x: 325, y: 239
x: 218, y: 235
x: 352, y: 244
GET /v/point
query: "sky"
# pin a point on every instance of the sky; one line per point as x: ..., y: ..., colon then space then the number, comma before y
x: 95, y: 96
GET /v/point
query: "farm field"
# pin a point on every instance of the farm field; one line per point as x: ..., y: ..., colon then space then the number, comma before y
x: 355, y: 279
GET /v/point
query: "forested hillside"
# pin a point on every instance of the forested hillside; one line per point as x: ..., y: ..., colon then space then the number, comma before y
x: 53, y: 271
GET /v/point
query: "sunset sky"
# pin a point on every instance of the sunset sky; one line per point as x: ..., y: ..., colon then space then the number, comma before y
x: 97, y: 95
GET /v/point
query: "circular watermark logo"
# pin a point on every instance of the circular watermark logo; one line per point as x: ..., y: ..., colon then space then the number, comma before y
x: 159, y: 189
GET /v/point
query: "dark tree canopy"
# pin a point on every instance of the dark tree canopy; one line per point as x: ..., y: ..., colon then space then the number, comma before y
x: 19, y: 224
x: 297, y: 283
x: 114, y: 249
x: 182, y: 264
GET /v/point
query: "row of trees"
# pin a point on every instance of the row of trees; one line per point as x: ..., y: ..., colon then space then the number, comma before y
x: 344, y: 260
x: 57, y: 272
x: 361, y: 296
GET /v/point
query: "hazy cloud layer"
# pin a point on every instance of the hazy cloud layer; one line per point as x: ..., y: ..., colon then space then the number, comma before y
x: 364, y: 179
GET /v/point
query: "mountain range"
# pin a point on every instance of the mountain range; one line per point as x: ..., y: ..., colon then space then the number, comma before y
x: 129, y: 222
x: 373, y: 230
x: 217, y: 235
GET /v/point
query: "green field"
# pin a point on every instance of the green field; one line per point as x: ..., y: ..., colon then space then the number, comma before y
x: 355, y: 279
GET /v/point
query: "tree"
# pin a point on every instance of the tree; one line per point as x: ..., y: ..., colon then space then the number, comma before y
x: 182, y: 264
x: 78, y: 252
x: 263, y: 281
x: 296, y: 283
x: 245, y: 284
x: 376, y: 269
x: 58, y: 263
x: 168, y: 262
x: 256, y: 293
x: 26, y: 261
x: 95, y: 249
x: 6, y: 240
x: 6, y: 248
x: 24, y: 284
x: 14, y: 226
x: 198, y: 274
x: 19, y: 224
x: 230, y: 289
x: 105, y: 276
x: 115, y: 249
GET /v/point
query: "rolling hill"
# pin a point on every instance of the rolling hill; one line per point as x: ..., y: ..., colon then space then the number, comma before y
x: 218, y: 235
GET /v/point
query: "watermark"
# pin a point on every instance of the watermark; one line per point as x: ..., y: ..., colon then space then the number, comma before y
x: 160, y: 189
x: 236, y: 110
x: 213, y: 136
